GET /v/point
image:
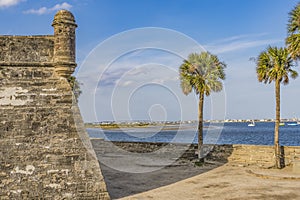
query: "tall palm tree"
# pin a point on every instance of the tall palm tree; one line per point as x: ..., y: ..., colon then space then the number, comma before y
x: 293, y: 39
x: 275, y: 65
x: 202, y: 73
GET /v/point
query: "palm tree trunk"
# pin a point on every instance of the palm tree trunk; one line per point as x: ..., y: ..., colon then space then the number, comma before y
x: 200, y: 127
x: 277, y: 122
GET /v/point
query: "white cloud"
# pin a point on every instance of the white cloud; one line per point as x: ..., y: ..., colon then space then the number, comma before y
x: 61, y: 6
x: 39, y: 11
x: 235, y: 46
x: 148, y: 74
x: 239, y: 37
x: 8, y: 3
x: 240, y: 42
x: 45, y: 10
x: 125, y: 84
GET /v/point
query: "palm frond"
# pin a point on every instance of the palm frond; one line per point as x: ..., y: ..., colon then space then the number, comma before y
x: 294, y: 22
x: 275, y: 64
x: 202, y: 72
x: 293, y: 45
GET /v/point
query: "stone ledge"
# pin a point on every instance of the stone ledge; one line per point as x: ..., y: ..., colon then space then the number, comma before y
x: 27, y: 64
x: 277, y: 175
x: 28, y: 36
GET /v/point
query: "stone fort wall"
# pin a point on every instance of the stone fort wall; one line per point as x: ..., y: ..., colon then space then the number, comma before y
x: 45, y: 150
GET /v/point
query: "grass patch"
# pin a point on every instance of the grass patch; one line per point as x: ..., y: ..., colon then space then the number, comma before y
x: 199, y: 163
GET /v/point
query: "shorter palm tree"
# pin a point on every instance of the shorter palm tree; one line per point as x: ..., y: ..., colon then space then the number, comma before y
x: 275, y: 65
x: 202, y: 73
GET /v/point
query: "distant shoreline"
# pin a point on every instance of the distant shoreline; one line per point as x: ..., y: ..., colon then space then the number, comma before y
x: 172, y: 125
x: 120, y: 126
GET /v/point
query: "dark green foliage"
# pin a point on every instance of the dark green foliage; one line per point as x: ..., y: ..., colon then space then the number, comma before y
x: 75, y: 85
x: 293, y: 39
x: 202, y: 72
x: 275, y: 64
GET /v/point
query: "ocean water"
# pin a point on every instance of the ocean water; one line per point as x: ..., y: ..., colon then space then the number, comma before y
x: 227, y: 133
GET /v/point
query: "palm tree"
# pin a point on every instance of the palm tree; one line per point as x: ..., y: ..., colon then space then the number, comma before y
x: 275, y: 65
x: 293, y: 39
x: 202, y: 73
x: 75, y: 86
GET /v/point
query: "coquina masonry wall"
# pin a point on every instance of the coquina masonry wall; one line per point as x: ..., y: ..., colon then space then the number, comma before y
x: 45, y: 150
x: 263, y: 156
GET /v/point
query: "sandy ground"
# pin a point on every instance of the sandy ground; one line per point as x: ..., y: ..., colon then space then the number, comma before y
x: 143, y: 176
x: 229, y: 182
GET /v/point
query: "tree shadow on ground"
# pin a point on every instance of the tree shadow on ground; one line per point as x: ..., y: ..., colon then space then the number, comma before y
x: 121, y: 184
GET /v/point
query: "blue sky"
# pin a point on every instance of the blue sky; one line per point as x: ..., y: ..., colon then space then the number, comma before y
x: 142, y: 83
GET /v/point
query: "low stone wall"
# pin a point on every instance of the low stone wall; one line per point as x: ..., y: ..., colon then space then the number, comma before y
x: 263, y: 156
x: 242, y: 155
x: 182, y: 151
